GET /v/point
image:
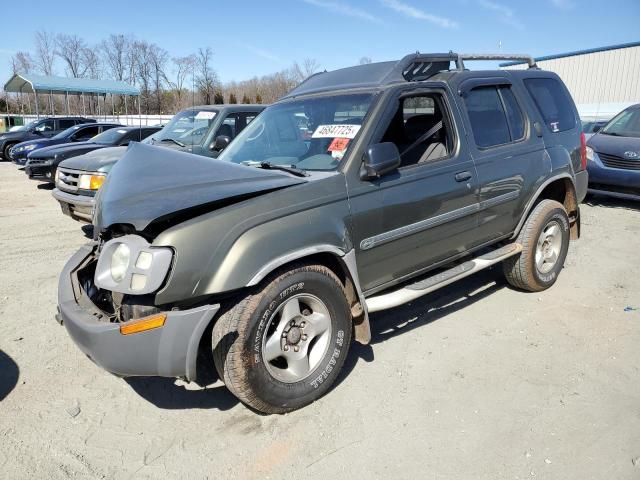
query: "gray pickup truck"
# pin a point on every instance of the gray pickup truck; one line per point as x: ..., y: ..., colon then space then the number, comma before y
x: 203, y: 130
x: 363, y: 189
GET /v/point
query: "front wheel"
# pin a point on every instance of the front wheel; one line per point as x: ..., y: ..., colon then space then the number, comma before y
x: 282, y: 347
x: 545, y: 242
x: 5, y: 152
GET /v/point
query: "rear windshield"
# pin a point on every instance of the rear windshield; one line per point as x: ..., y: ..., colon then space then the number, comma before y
x: 553, y: 102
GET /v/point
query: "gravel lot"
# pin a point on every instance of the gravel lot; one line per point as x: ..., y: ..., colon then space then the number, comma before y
x: 475, y: 382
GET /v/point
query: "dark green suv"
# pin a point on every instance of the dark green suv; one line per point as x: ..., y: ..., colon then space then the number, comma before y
x: 363, y: 189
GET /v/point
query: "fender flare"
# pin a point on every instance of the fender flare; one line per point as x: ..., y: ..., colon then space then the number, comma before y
x: 535, y: 197
x: 362, y: 327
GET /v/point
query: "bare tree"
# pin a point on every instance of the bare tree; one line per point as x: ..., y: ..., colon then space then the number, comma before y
x: 117, y: 59
x: 45, y: 52
x: 21, y: 62
x: 92, y: 63
x: 309, y: 67
x: 365, y: 60
x: 158, y: 57
x: 71, y: 49
x: 207, y: 79
x: 184, y: 68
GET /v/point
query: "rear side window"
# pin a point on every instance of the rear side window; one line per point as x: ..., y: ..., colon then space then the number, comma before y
x: 514, y: 114
x: 552, y: 101
x: 487, y: 116
x: 64, y: 124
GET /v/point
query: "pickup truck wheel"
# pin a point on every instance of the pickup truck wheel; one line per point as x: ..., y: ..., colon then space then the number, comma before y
x: 282, y: 347
x: 545, y: 242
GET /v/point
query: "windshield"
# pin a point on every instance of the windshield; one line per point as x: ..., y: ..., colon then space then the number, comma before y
x: 311, y: 134
x: 110, y: 137
x: 625, y: 124
x: 66, y: 133
x: 188, y: 127
x: 26, y: 126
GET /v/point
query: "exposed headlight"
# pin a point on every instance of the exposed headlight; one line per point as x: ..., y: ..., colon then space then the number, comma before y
x: 57, y: 179
x: 590, y: 154
x: 120, y: 262
x: 91, y: 182
x: 131, y: 265
x: 28, y: 148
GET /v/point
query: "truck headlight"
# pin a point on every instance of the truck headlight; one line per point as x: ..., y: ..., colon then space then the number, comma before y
x: 91, y: 182
x: 130, y: 265
x: 590, y: 154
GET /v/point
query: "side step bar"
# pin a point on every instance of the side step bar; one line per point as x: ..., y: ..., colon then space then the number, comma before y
x: 442, y: 279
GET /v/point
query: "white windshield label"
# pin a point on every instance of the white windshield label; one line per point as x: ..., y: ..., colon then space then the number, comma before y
x: 205, y: 115
x: 333, y: 131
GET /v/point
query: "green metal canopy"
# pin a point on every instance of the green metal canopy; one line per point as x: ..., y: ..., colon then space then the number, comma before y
x: 29, y: 83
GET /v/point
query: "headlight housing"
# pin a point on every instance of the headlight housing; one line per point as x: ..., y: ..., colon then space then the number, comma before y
x: 130, y: 265
x: 590, y: 154
x: 27, y: 148
x: 91, y: 181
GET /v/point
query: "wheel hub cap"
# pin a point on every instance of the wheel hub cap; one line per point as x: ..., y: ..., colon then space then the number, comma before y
x: 296, y: 338
x: 548, y: 247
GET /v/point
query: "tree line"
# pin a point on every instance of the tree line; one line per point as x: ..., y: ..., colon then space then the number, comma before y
x: 167, y: 83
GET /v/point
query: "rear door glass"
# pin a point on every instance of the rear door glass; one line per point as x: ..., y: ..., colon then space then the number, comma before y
x: 554, y: 104
x: 487, y: 117
x: 514, y: 113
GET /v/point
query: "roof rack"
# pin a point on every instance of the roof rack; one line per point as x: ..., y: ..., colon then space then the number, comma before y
x: 420, y: 66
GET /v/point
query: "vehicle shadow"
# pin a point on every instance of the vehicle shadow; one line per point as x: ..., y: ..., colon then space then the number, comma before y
x: 46, y: 186
x: 400, y: 320
x: 595, y: 200
x: 87, y: 231
x: 164, y: 393
x: 434, y: 306
x: 9, y: 373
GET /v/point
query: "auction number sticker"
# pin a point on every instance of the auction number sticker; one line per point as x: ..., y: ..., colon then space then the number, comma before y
x: 333, y: 131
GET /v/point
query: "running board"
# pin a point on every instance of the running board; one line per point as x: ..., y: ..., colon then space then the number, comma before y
x: 442, y: 279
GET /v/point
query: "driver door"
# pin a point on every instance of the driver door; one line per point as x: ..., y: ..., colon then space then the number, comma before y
x: 425, y: 212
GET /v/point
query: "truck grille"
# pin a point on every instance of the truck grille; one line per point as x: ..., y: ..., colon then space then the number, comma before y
x: 613, y: 161
x: 68, y: 179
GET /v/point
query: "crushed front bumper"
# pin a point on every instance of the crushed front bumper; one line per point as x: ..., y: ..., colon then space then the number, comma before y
x: 168, y: 351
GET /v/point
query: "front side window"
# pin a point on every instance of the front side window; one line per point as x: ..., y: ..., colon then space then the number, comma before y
x: 625, y: 124
x: 554, y: 104
x: 310, y: 134
x: 420, y: 129
x: 64, y: 124
x: 44, y: 126
x: 85, y: 133
x: 113, y: 136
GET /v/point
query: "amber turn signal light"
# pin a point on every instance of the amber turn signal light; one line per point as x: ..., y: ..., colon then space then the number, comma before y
x: 144, y: 324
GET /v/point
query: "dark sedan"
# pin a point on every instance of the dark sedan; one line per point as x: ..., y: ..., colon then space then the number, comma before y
x: 42, y: 164
x: 78, y: 133
x: 614, y: 156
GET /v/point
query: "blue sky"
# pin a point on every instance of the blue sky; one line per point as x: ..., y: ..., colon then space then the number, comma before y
x: 256, y: 37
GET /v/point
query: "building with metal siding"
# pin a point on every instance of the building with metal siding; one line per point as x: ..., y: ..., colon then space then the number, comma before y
x: 602, y: 81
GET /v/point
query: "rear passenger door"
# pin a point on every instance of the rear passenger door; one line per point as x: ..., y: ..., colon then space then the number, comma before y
x: 508, y: 153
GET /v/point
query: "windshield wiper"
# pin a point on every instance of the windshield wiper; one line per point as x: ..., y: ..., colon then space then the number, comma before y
x: 293, y: 170
x: 168, y: 139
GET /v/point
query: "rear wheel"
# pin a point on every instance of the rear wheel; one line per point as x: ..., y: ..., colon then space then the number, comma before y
x: 545, y: 242
x: 283, y: 346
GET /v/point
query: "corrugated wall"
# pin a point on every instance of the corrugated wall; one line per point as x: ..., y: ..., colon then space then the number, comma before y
x: 612, y: 76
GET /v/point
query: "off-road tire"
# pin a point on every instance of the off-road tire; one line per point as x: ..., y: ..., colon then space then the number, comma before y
x: 521, y: 270
x: 238, y: 334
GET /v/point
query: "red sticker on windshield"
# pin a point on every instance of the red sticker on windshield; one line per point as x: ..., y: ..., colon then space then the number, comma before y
x: 339, y: 144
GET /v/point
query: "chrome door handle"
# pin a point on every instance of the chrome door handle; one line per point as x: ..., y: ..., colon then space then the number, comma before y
x: 462, y: 176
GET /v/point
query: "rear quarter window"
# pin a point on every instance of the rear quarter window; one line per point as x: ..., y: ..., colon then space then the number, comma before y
x: 553, y: 102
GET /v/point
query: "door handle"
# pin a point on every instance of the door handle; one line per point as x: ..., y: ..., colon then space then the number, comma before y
x: 462, y: 176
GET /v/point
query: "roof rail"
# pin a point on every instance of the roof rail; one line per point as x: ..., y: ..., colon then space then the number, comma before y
x: 499, y: 56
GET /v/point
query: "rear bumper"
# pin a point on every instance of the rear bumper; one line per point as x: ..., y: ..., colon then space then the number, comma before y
x: 168, y: 351
x: 78, y: 207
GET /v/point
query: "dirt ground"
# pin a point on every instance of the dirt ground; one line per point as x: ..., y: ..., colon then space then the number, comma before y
x: 475, y: 382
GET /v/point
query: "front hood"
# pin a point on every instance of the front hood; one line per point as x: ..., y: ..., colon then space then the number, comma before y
x: 39, y: 143
x: 75, y: 148
x: 612, y: 145
x: 15, y: 135
x: 151, y: 182
x: 99, y: 160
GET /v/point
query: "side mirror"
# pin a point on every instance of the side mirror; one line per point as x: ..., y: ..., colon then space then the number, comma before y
x: 125, y: 143
x: 379, y: 159
x: 597, y: 128
x: 222, y: 142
